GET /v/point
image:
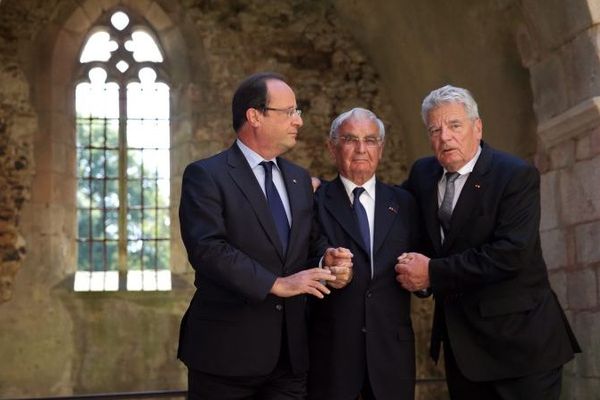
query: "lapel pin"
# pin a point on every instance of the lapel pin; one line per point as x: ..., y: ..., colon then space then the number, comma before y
x: 392, y: 209
x: 293, y: 180
x: 477, y: 186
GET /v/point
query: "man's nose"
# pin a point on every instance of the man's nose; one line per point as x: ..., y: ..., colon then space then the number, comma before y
x: 446, y: 133
x: 360, y: 147
x: 297, y: 120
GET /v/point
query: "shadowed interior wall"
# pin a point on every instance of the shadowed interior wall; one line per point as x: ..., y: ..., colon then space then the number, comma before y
x: 418, y: 46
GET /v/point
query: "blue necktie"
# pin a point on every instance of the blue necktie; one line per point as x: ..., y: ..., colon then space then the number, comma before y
x: 276, y: 205
x: 361, y: 216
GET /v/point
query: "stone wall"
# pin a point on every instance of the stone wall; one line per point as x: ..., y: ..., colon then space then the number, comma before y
x: 308, y: 43
x: 558, y: 42
x: 418, y: 46
x: 17, y: 124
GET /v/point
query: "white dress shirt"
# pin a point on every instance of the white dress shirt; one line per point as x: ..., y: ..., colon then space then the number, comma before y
x: 367, y: 199
x: 459, y: 183
x: 254, y: 160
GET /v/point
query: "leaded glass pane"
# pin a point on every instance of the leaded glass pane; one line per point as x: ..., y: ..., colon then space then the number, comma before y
x: 122, y: 156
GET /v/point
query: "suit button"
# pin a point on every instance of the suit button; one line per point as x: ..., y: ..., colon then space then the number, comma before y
x: 364, y: 329
x: 279, y: 307
x: 369, y: 294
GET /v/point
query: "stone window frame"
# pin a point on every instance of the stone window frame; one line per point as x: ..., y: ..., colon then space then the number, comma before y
x: 121, y: 276
x: 53, y: 195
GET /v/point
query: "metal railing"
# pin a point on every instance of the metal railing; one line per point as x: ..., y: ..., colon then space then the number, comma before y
x: 158, y: 394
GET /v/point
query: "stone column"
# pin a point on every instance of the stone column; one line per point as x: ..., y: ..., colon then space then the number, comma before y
x: 560, y: 46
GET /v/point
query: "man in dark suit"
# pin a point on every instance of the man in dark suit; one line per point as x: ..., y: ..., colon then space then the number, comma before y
x: 504, y: 333
x: 247, y: 224
x: 360, y: 337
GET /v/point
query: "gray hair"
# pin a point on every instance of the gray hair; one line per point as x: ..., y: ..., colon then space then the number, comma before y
x: 449, y: 94
x: 356, y: 112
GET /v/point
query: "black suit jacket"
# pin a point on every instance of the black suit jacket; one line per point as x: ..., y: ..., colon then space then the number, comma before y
x: 489, y: 278
x: 233, y: 326
x: 367, y: 323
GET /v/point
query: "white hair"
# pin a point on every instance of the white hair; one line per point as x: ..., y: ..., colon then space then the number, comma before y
x: 449, y: 94
x: 356, y: 112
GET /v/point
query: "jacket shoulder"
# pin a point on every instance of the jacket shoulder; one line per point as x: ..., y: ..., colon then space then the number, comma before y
x: 509, y: 160
x: 321, y: 191
x: 507, y: 165
x: 208, y: 162
x: 290, y: 166
x: 425, y: 165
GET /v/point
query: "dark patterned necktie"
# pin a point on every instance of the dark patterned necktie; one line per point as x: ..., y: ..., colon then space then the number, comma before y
x: 361, y: 216
x: 276, y: 205
x: 445, y: 210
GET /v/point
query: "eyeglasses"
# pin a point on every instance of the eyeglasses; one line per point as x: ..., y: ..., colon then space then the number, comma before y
x: 349, y: 140
x: 290, y: 112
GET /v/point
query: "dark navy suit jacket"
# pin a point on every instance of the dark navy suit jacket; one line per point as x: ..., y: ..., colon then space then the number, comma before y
x: 233, y: 326
x: 489, y: 278
x: 367, y: 323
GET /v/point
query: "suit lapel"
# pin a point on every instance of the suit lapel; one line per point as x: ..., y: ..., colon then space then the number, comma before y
x: 339, y: 206
x: 296, y: 195
x: 430, y: 205
x: 245, y: 179
x: 386, y: 212
x: 470, y: 196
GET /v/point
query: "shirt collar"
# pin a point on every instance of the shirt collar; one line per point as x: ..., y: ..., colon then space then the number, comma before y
x: 253, y: 158
x: 369, y: 186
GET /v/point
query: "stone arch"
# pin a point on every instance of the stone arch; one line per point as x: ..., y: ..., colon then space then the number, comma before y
x: 559, y: 46
x: 53, y: 192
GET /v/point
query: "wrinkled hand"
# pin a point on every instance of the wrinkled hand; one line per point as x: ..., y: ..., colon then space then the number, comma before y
x: 338, y: 257
x: 339, y: 262
x: 413, y: 271
x: 343, y: 276
x: 310, y: 281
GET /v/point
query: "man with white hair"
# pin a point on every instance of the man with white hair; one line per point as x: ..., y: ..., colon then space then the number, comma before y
x: 361, y: 338
x: 503, y: 331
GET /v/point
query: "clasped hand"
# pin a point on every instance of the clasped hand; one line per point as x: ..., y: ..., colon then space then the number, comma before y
x: 339, y: 262
x: 413, y: 271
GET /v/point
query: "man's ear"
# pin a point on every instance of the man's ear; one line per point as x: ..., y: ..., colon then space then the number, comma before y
x: 254, y: 117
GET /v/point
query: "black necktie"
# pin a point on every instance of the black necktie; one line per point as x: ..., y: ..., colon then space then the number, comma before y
x: 276, y: 205
x: 361, y: 216
x: 445, y: 210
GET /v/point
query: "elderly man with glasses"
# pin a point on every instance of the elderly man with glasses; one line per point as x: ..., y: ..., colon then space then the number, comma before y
x: 361, y: 337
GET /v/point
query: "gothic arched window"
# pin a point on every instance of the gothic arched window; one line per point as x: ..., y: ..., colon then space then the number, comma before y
x: 123, y: 141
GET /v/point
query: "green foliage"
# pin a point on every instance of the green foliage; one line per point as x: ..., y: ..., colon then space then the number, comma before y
x: 148, y: 220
